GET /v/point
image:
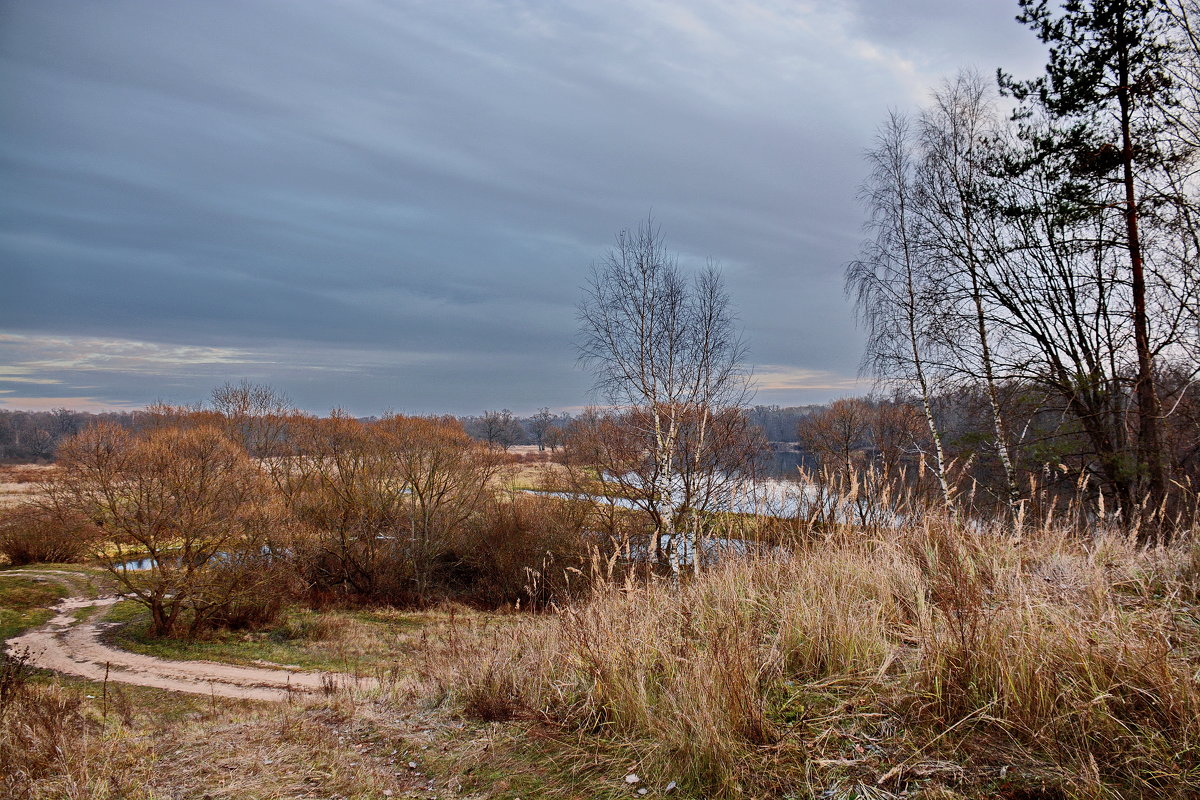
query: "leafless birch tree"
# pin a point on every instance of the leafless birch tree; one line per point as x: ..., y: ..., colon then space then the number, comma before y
x: 666, y: 349
x: 891, y: 281
x: 953, y: 193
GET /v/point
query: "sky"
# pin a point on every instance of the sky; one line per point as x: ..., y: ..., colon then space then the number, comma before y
x: 392, y: 205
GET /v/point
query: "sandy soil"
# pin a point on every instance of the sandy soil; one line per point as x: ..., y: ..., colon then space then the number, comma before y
x: 72, y: 645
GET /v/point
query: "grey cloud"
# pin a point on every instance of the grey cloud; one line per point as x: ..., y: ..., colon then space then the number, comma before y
x: 306, y: 180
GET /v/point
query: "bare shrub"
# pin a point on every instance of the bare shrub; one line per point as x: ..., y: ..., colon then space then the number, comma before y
x: 35, y: 533
x: 380, y: 503
x: 523, y: 549
x: 243, y: 590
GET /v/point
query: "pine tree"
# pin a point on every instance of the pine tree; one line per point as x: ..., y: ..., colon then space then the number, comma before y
x: 1100, y: 111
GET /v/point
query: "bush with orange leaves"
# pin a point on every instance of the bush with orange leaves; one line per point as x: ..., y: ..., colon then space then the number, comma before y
x: 382, y: 503
x: 192, y: 501
x: 36, y: 532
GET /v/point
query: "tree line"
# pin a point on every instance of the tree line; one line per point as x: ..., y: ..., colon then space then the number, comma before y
x: 34, y: 436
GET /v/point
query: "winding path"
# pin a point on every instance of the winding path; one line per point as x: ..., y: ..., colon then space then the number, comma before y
x: 70, y: 643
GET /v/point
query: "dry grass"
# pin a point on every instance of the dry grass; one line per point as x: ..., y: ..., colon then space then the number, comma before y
x: 932, y: 659
x: 21, y: 482
x: 536, y: 475
x: 79, y: 740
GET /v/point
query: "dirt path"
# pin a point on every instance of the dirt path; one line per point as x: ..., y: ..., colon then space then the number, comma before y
x: 70, y: 643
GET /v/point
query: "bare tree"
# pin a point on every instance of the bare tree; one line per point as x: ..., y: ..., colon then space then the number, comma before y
x: 255, y: 415
x: 898, y: 432
x: 500, y: 428
x: 892, y: 283
x: 954, y: 192
x: 348, y: 492
x: 837, y: 434
x: 187, y: 497
x: 447, y: 477
x: 540, y: 425
x: 666, y: 350
x: 381, y: 501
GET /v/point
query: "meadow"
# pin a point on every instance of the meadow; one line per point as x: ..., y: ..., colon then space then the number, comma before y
x: 931, y: 657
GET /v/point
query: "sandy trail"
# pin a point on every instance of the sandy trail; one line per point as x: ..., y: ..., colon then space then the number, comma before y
x: 70, y: 643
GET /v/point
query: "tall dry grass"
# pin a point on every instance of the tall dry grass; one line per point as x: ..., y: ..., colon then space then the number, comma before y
x: 934, y: 655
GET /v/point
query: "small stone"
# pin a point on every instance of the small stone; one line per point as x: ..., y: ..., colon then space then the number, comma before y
x: 412, y: 765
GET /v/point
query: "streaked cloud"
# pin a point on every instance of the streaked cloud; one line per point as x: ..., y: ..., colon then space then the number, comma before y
x: 31, y: 354
x: 780, y: 381
x: 392, y: 203
x: 74, y: 402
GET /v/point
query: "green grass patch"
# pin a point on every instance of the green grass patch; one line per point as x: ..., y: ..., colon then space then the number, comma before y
x: 86, y: 580
x: 343, y: 641
x: 24, y: 603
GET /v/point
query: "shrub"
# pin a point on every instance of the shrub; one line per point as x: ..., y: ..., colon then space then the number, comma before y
x: 523, y: 549
x: 242, y: 591
x: 35, y: 534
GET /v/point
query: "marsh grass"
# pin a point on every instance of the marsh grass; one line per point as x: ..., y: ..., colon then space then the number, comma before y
x: 933, y: 657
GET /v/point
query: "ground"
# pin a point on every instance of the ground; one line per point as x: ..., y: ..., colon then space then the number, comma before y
x: 159, y: 723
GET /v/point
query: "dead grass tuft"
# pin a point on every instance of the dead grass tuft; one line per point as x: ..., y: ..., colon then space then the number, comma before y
x: 1067, y: 667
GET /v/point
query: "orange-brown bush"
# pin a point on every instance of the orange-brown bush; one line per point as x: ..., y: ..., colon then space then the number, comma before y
x: 523, y: 549
x: 34, y: 533
x: 381, y: 503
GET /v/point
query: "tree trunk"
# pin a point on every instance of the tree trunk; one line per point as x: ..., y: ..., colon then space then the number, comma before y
x: 1149, y: 446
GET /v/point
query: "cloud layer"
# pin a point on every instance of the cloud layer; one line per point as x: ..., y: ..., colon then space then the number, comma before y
x: 392, y: 205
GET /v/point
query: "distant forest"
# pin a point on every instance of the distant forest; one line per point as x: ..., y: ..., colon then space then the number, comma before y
x: 29, y: 436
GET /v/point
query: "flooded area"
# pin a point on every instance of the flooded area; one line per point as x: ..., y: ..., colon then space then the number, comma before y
x: 136, y: 565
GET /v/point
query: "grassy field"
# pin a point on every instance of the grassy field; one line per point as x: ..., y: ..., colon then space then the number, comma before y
x: 20, y: 482
x: 143, y: 744
x: 924, y: 663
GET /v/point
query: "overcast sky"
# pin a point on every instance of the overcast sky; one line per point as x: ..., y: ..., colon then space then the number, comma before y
x: 390, y: 205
